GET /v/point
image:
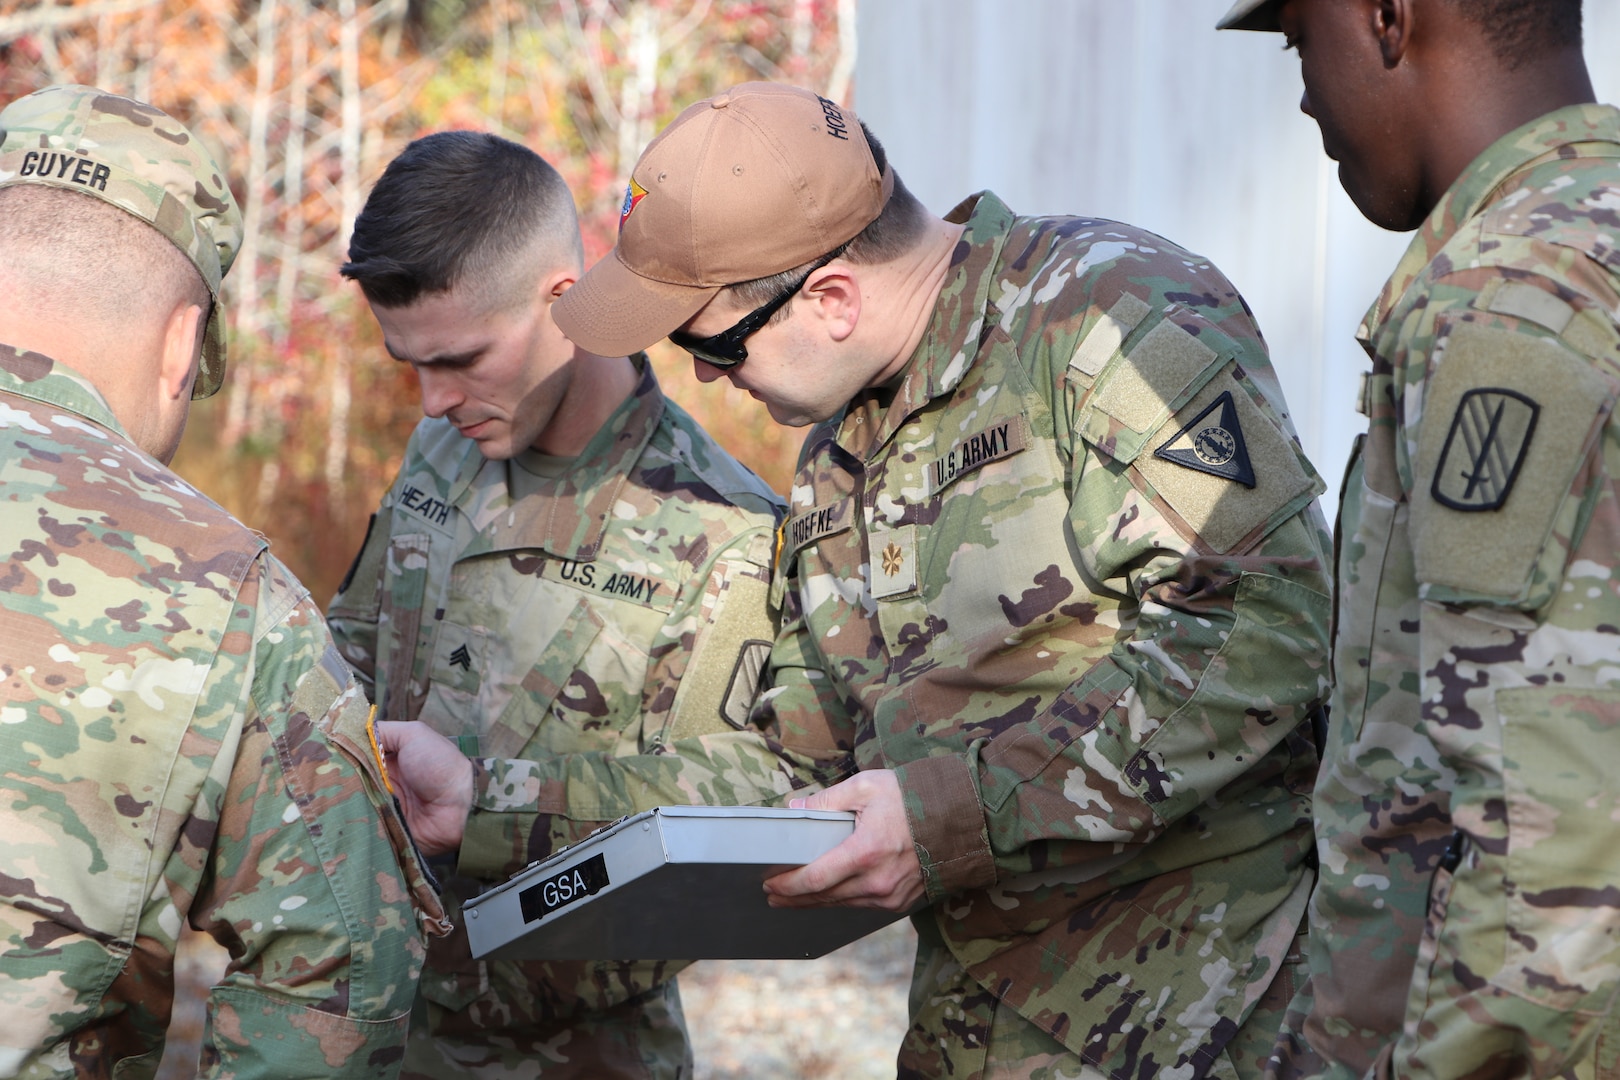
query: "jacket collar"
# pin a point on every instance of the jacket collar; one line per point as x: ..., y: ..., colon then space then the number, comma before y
x: 570, y: 515
x: 36, y: 376
x: 963, y: 316
x: 1484, y: 182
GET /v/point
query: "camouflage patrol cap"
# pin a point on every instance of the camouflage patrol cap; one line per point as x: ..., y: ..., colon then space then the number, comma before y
x: 746, y: 184
x: 1251, y: 15
x: 141, y: 160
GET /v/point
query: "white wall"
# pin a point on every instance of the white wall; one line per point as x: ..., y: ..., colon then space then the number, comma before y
x: 1139, y: 110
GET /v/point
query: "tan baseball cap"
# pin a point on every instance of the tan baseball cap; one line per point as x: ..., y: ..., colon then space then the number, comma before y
x: 139, y: 159
x: 1251, y: 15
x: 749, y: 183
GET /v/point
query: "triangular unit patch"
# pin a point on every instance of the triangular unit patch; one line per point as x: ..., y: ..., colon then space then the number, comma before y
x: 1212, y: 443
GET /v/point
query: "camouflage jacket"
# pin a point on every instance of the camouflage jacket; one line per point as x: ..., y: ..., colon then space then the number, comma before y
x: 1067, y: 580
x: 594, y: 646
x: 1466, y: 807
x: 181, y: 742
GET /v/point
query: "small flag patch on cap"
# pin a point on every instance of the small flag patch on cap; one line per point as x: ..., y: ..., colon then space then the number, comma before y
x: 632, y: 195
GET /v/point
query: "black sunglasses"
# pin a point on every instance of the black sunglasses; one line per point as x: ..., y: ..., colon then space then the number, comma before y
x: 726, y: 349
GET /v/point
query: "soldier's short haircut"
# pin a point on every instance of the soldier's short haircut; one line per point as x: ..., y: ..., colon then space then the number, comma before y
x: 1521, y: 30
x: 900, y: 227
x: 91, y: 259
x: 462, y: 210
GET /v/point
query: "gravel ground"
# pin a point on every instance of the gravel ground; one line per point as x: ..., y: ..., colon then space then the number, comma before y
x: 840, y: 1016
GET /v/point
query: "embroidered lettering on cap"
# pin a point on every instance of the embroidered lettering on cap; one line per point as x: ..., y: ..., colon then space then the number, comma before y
x: 836, y: 127
x: 86, y: 172
x: 982, y: 447
x: 1489, y: 437
x: 1212, y: 443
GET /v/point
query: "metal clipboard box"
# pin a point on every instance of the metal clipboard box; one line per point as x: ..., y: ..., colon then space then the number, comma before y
x: 675, y: 883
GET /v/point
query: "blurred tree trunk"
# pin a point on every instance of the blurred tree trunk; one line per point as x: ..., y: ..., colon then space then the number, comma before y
x: 339, y: 390
x: 247, y: 406
x: 291, y: 258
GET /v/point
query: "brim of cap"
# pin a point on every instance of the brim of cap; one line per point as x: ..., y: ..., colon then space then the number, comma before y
x: 211, y: 369
x: 614, y: 311
x: 1251, y: 15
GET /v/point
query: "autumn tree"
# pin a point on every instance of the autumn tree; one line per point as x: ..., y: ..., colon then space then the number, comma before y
x: 306, y: 100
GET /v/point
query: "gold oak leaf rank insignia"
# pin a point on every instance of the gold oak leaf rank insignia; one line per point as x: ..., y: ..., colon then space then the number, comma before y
x: 893, y: 559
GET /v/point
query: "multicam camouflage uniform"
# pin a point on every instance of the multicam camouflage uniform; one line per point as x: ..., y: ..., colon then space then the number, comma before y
x: 594, y: 642
x: 1468, y: 922
x: 181, y: 741
x: 1068, y: 581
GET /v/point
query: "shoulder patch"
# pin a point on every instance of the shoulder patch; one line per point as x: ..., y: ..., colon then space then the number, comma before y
x: 1484, y: 449
x: 1488, y: 478
x: 1212, y: 442
x: 1207, y: 474
x: 1523, y: 301
x: 1142, y: 392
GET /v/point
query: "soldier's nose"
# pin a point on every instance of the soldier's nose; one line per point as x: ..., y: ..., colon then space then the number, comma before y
x: 439, y: 394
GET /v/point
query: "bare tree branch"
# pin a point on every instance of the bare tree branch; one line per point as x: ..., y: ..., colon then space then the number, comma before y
x: 52, y: 18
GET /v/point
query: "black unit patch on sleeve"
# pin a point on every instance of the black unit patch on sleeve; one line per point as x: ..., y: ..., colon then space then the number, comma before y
x: 1212, y: 443
x: 1489, y: 437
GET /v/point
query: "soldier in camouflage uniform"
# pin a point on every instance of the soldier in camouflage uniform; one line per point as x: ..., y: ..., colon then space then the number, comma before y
x: 1052, y: 571
x: 1467, y: 921
x: 182, y: 742
x: 568, y: 576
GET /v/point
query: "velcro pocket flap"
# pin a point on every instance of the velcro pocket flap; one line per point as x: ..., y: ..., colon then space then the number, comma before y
x: 1140, y: 391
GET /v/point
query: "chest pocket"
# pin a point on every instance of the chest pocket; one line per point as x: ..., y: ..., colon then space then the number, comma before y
x: 553, y: 703
x: 997, y: 558
x: 535, y: 657
x: 984, y: 552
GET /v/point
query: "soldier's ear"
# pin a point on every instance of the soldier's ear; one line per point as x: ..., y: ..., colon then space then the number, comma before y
x: 182, y: 349
x: 834, y: 293
x: 556, y: 283
x: 1392, y: 25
